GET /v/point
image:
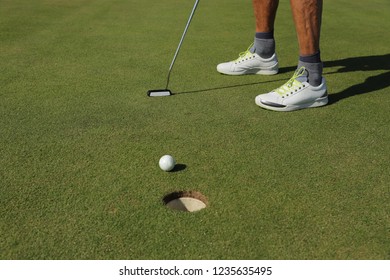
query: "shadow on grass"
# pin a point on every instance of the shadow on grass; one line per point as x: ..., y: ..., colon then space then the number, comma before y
x: 353, y: 64
x: 227, y: 87
x: 364, y: 63
x: 179, y: 167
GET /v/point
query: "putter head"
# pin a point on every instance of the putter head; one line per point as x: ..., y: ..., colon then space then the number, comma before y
x: 159, y: 92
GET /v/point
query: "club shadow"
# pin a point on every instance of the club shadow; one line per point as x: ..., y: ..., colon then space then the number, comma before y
x: 228, y: 87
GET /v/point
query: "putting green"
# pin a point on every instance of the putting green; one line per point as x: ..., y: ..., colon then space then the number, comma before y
x: 80, y: 140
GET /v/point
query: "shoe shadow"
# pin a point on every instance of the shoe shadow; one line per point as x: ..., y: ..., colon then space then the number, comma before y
x: 366, y: 63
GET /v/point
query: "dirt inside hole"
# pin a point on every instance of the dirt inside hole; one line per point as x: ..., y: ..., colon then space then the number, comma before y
x: 188, y: 201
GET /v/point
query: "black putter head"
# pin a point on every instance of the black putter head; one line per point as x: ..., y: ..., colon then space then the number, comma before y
x: 159, y: 92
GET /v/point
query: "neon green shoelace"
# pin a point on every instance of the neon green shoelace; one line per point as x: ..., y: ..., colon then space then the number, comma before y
x: 245, y: 53
x: 291, y: 84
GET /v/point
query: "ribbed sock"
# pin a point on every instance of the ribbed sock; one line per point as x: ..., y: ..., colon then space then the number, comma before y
x: 264, y: 44
x: 313, y: 66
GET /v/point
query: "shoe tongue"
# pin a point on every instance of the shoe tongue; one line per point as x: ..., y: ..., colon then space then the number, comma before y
x: 303, y: 78
x: 252, y: 49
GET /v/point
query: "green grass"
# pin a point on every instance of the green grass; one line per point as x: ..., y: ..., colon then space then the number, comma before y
x: 80, y: 141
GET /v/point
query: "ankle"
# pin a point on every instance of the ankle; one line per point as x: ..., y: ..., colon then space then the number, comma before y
x: 314, y: 68
x: 264, y: 44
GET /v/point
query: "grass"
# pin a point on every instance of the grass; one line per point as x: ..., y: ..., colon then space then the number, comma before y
x: 80, y: 141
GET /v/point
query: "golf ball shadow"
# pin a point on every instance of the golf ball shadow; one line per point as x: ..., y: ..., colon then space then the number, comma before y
x: 179, y: 167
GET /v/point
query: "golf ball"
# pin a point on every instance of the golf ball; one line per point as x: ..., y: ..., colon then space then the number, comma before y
x: 167, y: 163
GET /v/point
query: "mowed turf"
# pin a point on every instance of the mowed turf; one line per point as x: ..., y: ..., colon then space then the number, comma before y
x: 80, y: 140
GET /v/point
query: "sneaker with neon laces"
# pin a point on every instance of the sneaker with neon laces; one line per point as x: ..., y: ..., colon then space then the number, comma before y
x: 296, y: 94
x: 249, y: 62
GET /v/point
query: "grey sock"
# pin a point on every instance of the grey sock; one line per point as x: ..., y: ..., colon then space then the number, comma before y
x: 313, y: 65
x: 264, y: 44
x: 314, y: 72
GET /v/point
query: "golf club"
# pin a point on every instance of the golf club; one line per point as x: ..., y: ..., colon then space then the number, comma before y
x: 166, y: 91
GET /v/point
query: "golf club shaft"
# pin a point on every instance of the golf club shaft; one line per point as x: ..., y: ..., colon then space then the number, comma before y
x: 181, y: 41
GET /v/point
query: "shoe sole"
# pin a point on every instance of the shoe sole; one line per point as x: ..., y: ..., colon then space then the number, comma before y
x: 322, y: 101
x: 267, y: 72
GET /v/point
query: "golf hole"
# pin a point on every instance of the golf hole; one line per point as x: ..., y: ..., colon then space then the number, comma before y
x: 187, y: 201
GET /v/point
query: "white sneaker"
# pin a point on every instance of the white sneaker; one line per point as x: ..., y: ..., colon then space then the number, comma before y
x: 296, y: 94
x: 250, y: 63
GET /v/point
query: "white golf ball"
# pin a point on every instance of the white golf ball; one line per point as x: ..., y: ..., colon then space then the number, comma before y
x: 167, y: 163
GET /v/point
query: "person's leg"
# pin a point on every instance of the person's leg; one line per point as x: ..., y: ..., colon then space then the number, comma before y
x: 307, y: 88
x: 265, y: 13
x: 260, y: 58
x: 307, y: 18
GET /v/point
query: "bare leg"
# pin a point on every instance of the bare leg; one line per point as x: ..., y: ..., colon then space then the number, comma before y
x: 307, y: 17
x: 261, y: 57
x: 308, y: 88
x: 265, y: 12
